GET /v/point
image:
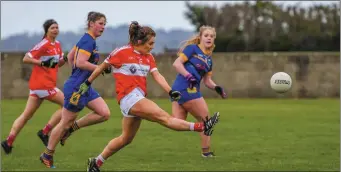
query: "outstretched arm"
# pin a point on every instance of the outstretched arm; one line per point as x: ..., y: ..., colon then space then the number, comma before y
x: 212, y: 85
x: 209, y: 83
x: 98, y: 70
x: 175, y: 95
x: 161, y: 80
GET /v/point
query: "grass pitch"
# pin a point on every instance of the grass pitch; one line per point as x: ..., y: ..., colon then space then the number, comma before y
x: 253, y: 134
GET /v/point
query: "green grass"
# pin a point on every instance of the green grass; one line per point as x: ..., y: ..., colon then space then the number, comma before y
x: 253, y: 134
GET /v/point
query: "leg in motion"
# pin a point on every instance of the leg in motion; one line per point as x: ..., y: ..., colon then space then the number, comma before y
x: 43, y: 134
x: 32, y: 105
x: 130, y: 126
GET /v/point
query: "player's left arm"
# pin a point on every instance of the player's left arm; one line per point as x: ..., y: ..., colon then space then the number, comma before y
x: 209, y: 83
x: 61, y: 60
x: 160, y: 79
x: 157, y: 75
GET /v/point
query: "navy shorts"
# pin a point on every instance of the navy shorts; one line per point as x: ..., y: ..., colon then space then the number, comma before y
x: 188, y: 94
x: 78, y: 102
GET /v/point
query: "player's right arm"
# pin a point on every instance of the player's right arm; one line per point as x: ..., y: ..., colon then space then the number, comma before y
x: 71, y: 55
x: 183, y: 57
x: 112, y: 60
x: 83, y: 53
x: 32, y: 57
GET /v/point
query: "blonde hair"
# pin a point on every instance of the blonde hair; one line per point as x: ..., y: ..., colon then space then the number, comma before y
x: 196, y: 39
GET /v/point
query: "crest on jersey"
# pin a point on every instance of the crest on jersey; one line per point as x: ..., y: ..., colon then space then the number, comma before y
x: 132, y: 69
x: 209, y: 62
x: 200, y: 67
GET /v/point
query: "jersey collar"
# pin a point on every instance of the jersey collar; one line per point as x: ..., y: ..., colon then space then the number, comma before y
x: 203, y: 50
x: 91, y: 34
x: 132, y: 47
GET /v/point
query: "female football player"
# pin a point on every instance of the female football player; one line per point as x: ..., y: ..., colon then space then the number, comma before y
x: 194, y: 63
x: 131, y: 64
x: 46, y: 57
x: 85, y: 58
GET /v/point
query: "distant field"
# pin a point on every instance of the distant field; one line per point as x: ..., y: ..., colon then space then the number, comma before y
x: 253, y: 134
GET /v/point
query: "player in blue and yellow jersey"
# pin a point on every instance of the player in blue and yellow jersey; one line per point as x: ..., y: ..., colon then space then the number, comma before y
x: 193, y: 65
x: 84, y: 57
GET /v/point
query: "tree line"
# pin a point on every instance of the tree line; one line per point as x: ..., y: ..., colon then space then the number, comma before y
x: 266, y: 26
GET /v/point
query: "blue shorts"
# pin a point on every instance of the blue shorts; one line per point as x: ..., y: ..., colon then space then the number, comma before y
x: 187, y: 95
x: 81, y: 101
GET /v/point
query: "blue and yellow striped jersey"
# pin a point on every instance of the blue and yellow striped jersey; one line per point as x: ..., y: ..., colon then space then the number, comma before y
x: 86, y: 45
x: 197, y: 62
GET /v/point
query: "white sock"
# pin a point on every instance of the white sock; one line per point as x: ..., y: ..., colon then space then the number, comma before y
x: 100, y: 158
x: 191, y: 126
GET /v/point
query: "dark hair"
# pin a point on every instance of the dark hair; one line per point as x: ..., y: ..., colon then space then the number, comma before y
x: 93, y: 17
x: 47, y: 25
x: 138, y: 32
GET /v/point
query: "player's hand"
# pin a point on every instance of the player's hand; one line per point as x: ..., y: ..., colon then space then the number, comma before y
x: 83, y: 88
x: 50, y: 63
x: 175, y: 95
x: 106, y: 71
x: 220, y: 91
x: 65, y: 58
x: 191, y: 80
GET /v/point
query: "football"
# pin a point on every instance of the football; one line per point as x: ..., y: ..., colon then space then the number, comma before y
x: 280, y: 82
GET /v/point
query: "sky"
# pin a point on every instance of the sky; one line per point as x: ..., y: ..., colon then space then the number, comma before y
x: 29, y: 16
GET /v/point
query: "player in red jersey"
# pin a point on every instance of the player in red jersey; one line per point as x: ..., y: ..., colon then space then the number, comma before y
x: 47, y: 57
x: 131, y: 65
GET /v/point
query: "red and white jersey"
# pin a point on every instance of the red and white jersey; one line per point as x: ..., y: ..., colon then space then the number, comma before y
x: 42, y: 77
x: 130, y: 69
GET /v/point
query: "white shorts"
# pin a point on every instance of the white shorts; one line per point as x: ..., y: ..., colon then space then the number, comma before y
x: 44, y: 93
x: 130, y: 100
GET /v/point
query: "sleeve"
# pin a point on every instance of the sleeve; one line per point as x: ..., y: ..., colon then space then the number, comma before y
x: 152, y: 63
x: 114, y: 58
x: 86, y: 46
x: 38, y: 50
x: 187, y: 52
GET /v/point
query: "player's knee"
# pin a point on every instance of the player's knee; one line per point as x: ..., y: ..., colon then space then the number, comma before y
x: 66, y: 123
x: 105, y: 114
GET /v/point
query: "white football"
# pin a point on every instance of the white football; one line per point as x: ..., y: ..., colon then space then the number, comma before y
x: 280, y: 82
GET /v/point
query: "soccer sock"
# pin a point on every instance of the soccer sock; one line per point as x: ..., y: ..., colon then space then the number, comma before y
x: 198, y: 126
x: 10, y: 139
x: 47, y: 129
x: 74, y: 127
x: 205, y: 150
x: 48, y: 153
x: 99, y: 160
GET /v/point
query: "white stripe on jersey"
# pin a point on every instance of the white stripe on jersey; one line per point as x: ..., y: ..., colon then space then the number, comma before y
x: 37, y: 47
x: 119, y: 49
x: 133, y: 69
x: 115, y: 52
x: 56, y: 57
x: 152, y: 70
x: 29, y: 55
x: 40, y: 44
